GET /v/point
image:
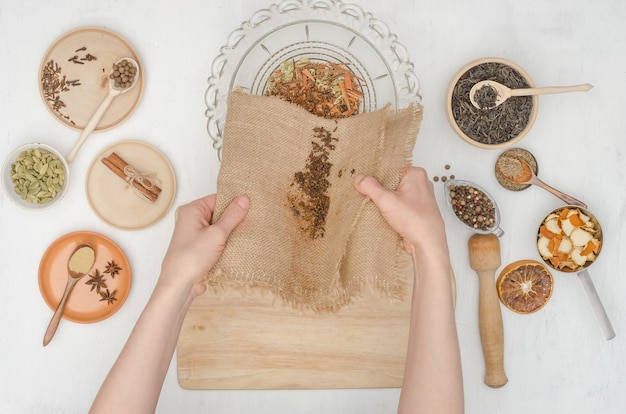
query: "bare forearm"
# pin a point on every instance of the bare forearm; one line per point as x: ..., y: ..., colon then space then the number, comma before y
x: 135, y: 381
x: 432, y: 379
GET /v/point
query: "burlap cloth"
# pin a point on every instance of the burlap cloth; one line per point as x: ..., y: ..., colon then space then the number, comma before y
x: 310, y: 238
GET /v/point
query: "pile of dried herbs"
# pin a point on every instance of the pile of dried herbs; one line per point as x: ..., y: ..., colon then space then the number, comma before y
x: 329, y: 90
x: 308, y: 199
x: 486, y: 97
x: 497, y: 125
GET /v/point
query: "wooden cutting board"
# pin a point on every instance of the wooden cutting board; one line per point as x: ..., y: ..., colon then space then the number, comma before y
x: 250, y: 341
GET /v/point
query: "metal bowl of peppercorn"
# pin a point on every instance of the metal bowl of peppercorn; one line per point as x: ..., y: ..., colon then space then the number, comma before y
x: 35, y: 176
x: 491, y: 127
x: 473, y: 207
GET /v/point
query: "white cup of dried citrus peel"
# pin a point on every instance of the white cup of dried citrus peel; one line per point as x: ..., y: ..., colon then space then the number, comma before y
x: 569, y: 239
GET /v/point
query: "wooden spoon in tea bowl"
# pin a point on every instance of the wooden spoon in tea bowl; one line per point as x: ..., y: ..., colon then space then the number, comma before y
x: 80, y: 263
x: 528, y: 176
x: 505, y: 92
x: 97, y: 116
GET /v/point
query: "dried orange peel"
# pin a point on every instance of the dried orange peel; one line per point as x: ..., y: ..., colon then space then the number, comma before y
x: 326, y: 89
x: 524, y: 286
x: 569, y: 239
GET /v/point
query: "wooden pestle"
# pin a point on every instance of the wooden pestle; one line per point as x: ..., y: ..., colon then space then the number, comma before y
x: 484, y: 257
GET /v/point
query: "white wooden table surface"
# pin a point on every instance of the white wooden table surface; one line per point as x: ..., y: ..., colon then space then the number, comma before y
x: 556, y: 359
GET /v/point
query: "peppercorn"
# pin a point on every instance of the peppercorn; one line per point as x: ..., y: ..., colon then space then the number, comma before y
x: 472, y: 206
x: 123, y: 74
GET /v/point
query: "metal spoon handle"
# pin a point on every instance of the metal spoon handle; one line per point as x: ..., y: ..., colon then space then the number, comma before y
x: 566, y: 198
x: 596, y: 304
x: 550, y: 90
x: 58, y: 313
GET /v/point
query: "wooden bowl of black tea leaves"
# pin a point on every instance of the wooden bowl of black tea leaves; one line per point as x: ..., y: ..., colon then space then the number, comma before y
x: 497, y: 127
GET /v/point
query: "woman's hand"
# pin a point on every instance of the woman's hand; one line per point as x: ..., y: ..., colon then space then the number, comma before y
x: 196, y: 245
x: 432, y: 376
x: 411, y: 210
x: 135, y: 381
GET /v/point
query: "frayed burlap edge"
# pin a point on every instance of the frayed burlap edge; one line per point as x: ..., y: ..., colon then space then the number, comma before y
x: 394, y: 285
x: 396, y: 291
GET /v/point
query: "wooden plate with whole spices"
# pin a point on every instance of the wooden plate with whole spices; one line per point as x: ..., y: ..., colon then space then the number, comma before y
x: 101, y: 292
x: 130, y: 185
x: 74, y: 77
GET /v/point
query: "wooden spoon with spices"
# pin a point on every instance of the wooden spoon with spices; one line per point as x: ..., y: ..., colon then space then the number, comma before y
x: 503, y: 92
x: 80, y: 263
x: 518, y: 171
x: 117, y: 86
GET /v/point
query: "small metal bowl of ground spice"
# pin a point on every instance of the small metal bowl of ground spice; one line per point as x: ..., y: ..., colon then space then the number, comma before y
x: 508, y: 164
x: 491, y: 127
x: 473, y: 206
x: 35, y: 176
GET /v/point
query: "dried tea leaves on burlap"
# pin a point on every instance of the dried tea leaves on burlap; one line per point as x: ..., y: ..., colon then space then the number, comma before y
x: 309, y: 234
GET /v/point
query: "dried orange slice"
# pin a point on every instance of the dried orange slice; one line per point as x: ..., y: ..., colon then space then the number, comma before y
x: 524, y: 286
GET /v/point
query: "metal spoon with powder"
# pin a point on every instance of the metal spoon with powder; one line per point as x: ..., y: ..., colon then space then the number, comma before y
x: 518, y: 171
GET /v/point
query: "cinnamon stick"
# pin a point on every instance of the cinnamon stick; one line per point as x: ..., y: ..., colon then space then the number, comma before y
x: 116, y: 164
x: 120, y: 163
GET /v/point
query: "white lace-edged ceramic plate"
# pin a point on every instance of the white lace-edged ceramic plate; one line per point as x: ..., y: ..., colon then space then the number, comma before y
x: 323, y: 31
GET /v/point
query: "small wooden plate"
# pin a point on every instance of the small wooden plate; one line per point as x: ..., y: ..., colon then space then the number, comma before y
x: 72, y: 83
x: 115, y: 202
x: 85, y: 305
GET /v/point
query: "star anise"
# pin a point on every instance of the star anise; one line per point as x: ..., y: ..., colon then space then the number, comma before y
x: 97, y: 281
x: 109, y: 297
x: 112, y: 268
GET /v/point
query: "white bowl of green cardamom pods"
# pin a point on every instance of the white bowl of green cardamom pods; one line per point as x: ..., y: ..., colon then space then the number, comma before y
x: 35, y: 176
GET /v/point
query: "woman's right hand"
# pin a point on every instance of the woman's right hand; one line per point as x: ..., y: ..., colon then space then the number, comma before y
x: 411, y: 210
